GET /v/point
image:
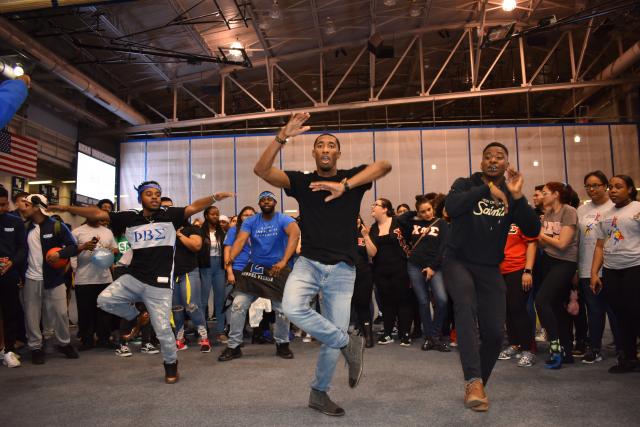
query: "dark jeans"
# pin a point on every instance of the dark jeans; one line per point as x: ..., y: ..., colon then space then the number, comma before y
x: 478, y: 294
x: 552, y: 299
x: 597, y: 309
x: 395, y: 294
x: 11, y: 312
x: 91, y: 319
x: 622, y: 291
x: 426, y: 291
x: 518, y: 320
x: 362, y: 290
x: 579, y: 321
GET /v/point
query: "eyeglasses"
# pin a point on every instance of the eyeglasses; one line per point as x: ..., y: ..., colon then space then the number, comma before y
x: 376, y: 204
x: 593, y: 186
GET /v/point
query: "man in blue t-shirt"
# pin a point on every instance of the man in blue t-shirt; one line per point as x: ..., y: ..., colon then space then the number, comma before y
x: 274, y: 239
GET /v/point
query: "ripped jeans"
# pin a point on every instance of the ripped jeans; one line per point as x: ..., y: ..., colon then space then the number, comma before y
x: 238, y: 313
x: 186, y: 297
x: 119, y: 299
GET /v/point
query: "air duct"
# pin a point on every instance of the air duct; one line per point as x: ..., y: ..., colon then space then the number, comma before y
x: 69, y: 73
x: 62, y: 103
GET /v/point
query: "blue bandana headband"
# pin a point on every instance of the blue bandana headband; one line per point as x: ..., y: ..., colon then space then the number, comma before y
x: 266, y: 194
x: 141, y: 189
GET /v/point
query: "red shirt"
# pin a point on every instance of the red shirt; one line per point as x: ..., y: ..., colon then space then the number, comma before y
x: 515, y: 250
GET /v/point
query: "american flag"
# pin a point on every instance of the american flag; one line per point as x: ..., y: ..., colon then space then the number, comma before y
x: 18, y: 154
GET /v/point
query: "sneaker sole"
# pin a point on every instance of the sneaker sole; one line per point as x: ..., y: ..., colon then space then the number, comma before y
x: 331, y: 414
x: 150, y: 352
x: 205, y: 351
x: 124, y: 355
x: 405, y: 345
x: 591, y: 362
x: 361, y: 368
x: 386, y: 342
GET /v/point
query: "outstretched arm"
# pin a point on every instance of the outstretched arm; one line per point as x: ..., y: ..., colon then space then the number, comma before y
x: 374, y: 171
x: 90, y: 212
x: 264, y: 167
x: 203, y: 203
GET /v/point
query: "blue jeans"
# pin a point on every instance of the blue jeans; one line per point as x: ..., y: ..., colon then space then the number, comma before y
x: 597, y: 308
x: 431, y: 327
x: 307, y: 279
x: 214, y: 277
x: 186, y: 296
x: 238, y: 314
x: 119, y: 298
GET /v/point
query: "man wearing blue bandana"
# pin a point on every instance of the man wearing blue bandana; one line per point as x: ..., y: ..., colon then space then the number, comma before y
x: 329, y: 202
x: 151, y: 232
x: 273, y: 238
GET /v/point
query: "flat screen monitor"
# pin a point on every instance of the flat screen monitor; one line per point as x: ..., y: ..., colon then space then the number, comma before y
x: 95, y: 179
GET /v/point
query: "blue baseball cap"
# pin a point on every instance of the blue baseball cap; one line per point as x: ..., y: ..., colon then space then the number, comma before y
x: 266, y: 194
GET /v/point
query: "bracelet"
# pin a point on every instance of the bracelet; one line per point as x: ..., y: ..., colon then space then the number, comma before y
x: 346, y: 185
x: 213, y: 196
x: 281, y: 141
x: 527, y: 271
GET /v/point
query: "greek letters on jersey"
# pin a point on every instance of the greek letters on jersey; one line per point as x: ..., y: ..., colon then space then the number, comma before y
x: 151, y: 235
x: 514, y: 229
x: 489, y: 207
x: 430, y: 231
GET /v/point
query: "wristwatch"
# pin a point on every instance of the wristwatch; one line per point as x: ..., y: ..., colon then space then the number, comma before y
x: 527, y: 271
x: 346, y: 185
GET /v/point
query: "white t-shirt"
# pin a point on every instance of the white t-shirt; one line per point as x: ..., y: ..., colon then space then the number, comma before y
x: 215, y: 246
x: 589, y: 215
x: 620, y: 229
x: 87, y: 273
x: 35, y: 259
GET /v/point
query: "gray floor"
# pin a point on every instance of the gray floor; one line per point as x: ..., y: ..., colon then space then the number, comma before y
x: 401, y: 386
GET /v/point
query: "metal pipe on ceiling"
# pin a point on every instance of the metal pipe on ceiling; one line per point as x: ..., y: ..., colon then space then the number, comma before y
x: 55, y: 64
x: 27, y: 5
x: 373, y: 104
x: 611, y: 71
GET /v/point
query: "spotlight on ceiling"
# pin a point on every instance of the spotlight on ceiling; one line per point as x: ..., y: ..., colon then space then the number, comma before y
x: 329, y: 26
x: 390, y: 3
x: 274, y: 12
x: 415, y: 10
x: 234, y: 49
x: 509, y: 5
x: 18, y: 70
x: 577, y: 139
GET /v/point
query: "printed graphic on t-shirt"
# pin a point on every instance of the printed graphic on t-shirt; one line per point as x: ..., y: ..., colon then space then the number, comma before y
x: 151, y: 235
x: 513, y: 229
x: 552, y: 228
x: 616, y: 233
x: 430, y: 231
x: 593, y: 222
x: 489, y: 207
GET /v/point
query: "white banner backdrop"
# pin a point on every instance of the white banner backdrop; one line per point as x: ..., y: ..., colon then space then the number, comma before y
x: 423, y: 160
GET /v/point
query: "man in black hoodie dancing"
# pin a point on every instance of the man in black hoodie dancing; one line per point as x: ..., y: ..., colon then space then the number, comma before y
x: 482, y: 209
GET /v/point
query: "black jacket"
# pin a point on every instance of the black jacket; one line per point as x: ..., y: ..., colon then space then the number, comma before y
x: 13, y: 244
x: 428, y: 250
x: 479, y: 225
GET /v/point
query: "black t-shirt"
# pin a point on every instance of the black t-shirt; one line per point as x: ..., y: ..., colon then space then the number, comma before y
x: 328, y: 229
x: 427, y: 250
x: 185, y: 260
x: 391, y: 254
x: 152, y: 241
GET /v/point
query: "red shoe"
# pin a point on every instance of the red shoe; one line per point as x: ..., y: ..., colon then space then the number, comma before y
x: 205, y: 346
x: 181, y: 344
x: 453, y: 338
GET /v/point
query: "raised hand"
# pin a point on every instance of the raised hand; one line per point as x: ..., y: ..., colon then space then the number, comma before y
x: 57, y: 208
x: 514, y: 183
x: 498, y: 195
x: 294, y: 125
x: 335, y: 188
x: 223, y: 195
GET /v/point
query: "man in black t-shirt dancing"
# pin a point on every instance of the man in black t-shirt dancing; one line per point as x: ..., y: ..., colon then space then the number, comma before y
x: 151, y: 233
x: 329, y: 202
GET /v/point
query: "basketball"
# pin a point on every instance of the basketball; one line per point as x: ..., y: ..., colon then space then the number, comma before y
x: 61, y: 263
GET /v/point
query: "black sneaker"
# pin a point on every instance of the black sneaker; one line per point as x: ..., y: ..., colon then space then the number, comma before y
x: 171, y: 375
x: 69, y: 351
x: 579, y: 350
x: 405, y: 341
x: 319, y: 400
x: 428, y: 344
x: 37, y: 357
x: 385, y: 339
x: 442, y: 346
x: 378, y: 320
x: 230, y: 353
x: 592, y: 356
x: 283, y: 350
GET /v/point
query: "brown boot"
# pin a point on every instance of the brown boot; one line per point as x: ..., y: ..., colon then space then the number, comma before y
x: 475, y: 397
x: 171, y: 374
x: 143, y: 320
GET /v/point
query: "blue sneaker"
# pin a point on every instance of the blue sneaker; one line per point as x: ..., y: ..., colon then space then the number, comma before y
x: 554, y: 361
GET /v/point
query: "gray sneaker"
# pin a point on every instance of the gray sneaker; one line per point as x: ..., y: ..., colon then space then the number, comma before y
x: 353, y: 352
x: 527, y: 359
x: 319, y: 400
x: 509, y: 353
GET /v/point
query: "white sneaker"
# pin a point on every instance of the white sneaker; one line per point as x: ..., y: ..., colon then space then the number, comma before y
x: 509, y: 353
x: 11, y: 360
x: 527, y: 359
x: 123, y: 351
x: 149, y: 348
x: 541, y: 336
x: 307, y: 338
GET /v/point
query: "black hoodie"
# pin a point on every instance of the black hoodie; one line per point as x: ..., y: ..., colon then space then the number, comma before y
x: 427, y: 250
x: 479, y: 225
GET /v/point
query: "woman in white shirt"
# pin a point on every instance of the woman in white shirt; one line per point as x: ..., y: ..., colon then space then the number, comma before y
x: 617, y: 251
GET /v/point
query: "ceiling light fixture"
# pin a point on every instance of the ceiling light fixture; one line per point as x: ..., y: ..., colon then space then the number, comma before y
x: 434, y: 166
x: 18, y: 70
x: 234, y: 49
x: 415, y: 9
x: 509, y: 5
x: 390, y: 3
x: 274, y: 12
x: 329, y: 26
x: 71, y: 181
x: 536, y: 163
x: 47, y: 181
x: 577, y: 139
